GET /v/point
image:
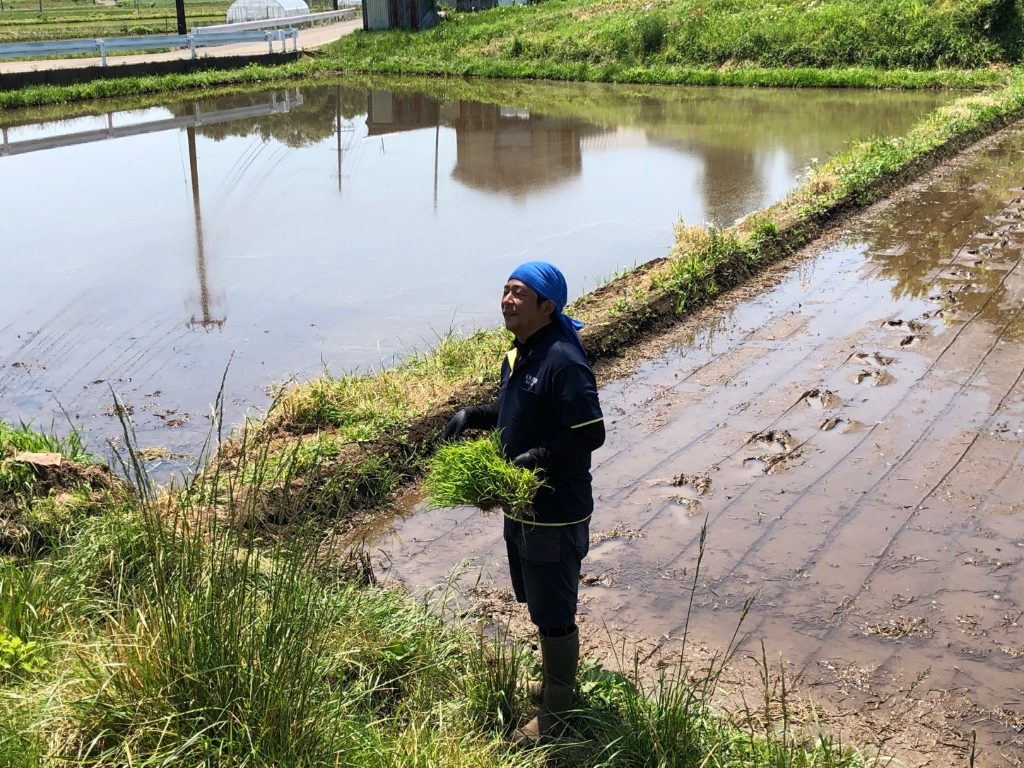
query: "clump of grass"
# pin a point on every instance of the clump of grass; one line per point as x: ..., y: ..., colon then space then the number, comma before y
x: 362, y: 407
x: 19, y: 477
x: 476, y: 473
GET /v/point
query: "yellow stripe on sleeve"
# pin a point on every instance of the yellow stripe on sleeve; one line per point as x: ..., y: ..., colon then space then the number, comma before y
x: 586, y: 423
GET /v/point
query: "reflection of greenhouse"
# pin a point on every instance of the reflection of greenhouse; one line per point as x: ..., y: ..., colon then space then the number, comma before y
x: 258, y: 10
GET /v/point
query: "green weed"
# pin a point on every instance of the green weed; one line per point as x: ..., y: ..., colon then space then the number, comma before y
x: 19, y: 657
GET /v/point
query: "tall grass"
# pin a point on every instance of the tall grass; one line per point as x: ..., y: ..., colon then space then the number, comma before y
x: 176, y: 634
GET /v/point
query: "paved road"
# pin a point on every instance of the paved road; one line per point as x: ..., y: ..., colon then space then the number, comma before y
x: 311, y: 37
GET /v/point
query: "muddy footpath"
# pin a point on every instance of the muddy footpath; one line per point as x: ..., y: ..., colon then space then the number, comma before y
x: 851, y: 432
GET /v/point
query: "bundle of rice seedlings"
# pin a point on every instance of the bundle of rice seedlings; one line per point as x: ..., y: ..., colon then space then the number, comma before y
x: 476, y: 473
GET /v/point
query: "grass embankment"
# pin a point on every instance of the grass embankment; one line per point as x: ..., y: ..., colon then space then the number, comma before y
x: 791, y: 43
x: 702, y: 42
x: 151, y: 631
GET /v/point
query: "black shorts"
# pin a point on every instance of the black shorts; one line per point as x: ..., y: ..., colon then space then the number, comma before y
x: 545, y: 566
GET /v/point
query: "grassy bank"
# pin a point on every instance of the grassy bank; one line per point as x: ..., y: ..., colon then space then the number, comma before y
x: 153, y: 632
x: 674, y: 41
x: 795, y: 43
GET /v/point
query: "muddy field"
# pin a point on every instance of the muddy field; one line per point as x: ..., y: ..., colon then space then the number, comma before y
x: 852, y: 432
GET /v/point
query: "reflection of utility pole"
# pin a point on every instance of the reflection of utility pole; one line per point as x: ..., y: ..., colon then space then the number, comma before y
x: 204, y: 292
x: 437, y: 141
x: 337, y: 126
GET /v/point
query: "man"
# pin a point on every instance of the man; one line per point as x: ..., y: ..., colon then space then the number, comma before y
x: 550, y: 420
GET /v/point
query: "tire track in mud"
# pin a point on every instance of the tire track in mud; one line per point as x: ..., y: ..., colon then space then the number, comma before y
x: 946, y: 382
x: 924, y: 435
x: 772, y: 377
x: 778, y: 420
x: 807, y: 610
x: 927, y: 432
x: 127, y: 361
x: 853, y: 510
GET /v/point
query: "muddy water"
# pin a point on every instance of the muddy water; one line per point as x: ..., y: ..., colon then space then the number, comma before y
x: 338, y: 227
x: 853, y: 436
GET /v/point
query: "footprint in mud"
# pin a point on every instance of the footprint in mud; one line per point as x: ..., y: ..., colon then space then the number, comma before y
x: 700, y: 484
x: 899, y: 627
x: 876, y: 358
x: 770, y: 463
x: 910, y: 325
x: 784, y: 447
x: 821, y: 399
x: 778, y: 439
x: 690, y: 507
x: 596, y: 579
x: 877, y: 378
x: 944, y: 297
x: 844, y: 426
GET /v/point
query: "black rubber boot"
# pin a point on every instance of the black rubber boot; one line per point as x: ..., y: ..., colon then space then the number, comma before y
x: 561, y: 657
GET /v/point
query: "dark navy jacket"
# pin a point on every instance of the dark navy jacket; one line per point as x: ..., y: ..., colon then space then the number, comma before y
x: 548, y: 400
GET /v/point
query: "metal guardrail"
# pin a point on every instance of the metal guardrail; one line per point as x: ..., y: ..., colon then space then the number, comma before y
x: 58, y: 48
x: 348, y: 12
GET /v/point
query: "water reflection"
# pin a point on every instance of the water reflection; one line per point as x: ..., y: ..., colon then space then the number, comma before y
x: 956, y: 243
x: 339, y: 226
x: 498, y: 148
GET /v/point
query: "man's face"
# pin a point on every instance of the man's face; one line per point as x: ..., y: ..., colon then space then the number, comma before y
x: 524, y: 314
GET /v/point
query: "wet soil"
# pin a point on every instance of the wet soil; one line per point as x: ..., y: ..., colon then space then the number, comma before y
x: 831, y: 455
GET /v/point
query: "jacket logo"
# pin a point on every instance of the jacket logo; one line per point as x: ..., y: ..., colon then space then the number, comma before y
x: 530, y: 383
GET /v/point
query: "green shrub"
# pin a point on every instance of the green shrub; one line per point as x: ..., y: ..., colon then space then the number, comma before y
x: 651, y: 29
x: 19, y: 657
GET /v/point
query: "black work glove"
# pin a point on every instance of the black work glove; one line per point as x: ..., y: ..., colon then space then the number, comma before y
x: 456, y: 426
x: 531, y: 459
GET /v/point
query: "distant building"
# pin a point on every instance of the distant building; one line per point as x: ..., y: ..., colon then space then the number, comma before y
x: 260, y: 10
x: 399, y: 14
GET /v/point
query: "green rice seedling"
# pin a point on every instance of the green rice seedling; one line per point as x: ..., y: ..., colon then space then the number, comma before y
x: 476, y: 473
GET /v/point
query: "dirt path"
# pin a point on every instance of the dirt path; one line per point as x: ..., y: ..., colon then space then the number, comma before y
x: 852, y: 430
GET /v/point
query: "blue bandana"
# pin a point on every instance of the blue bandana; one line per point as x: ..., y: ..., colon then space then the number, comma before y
x: 549, y: 283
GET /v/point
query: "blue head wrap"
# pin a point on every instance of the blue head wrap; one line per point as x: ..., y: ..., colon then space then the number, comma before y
x: 549, y: 283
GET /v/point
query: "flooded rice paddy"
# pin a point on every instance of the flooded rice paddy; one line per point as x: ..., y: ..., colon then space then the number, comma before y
x: 852, y: 432
x: 337, y: 227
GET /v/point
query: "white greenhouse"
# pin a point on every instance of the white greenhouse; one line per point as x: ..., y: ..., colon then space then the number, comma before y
x: 258, y: 10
